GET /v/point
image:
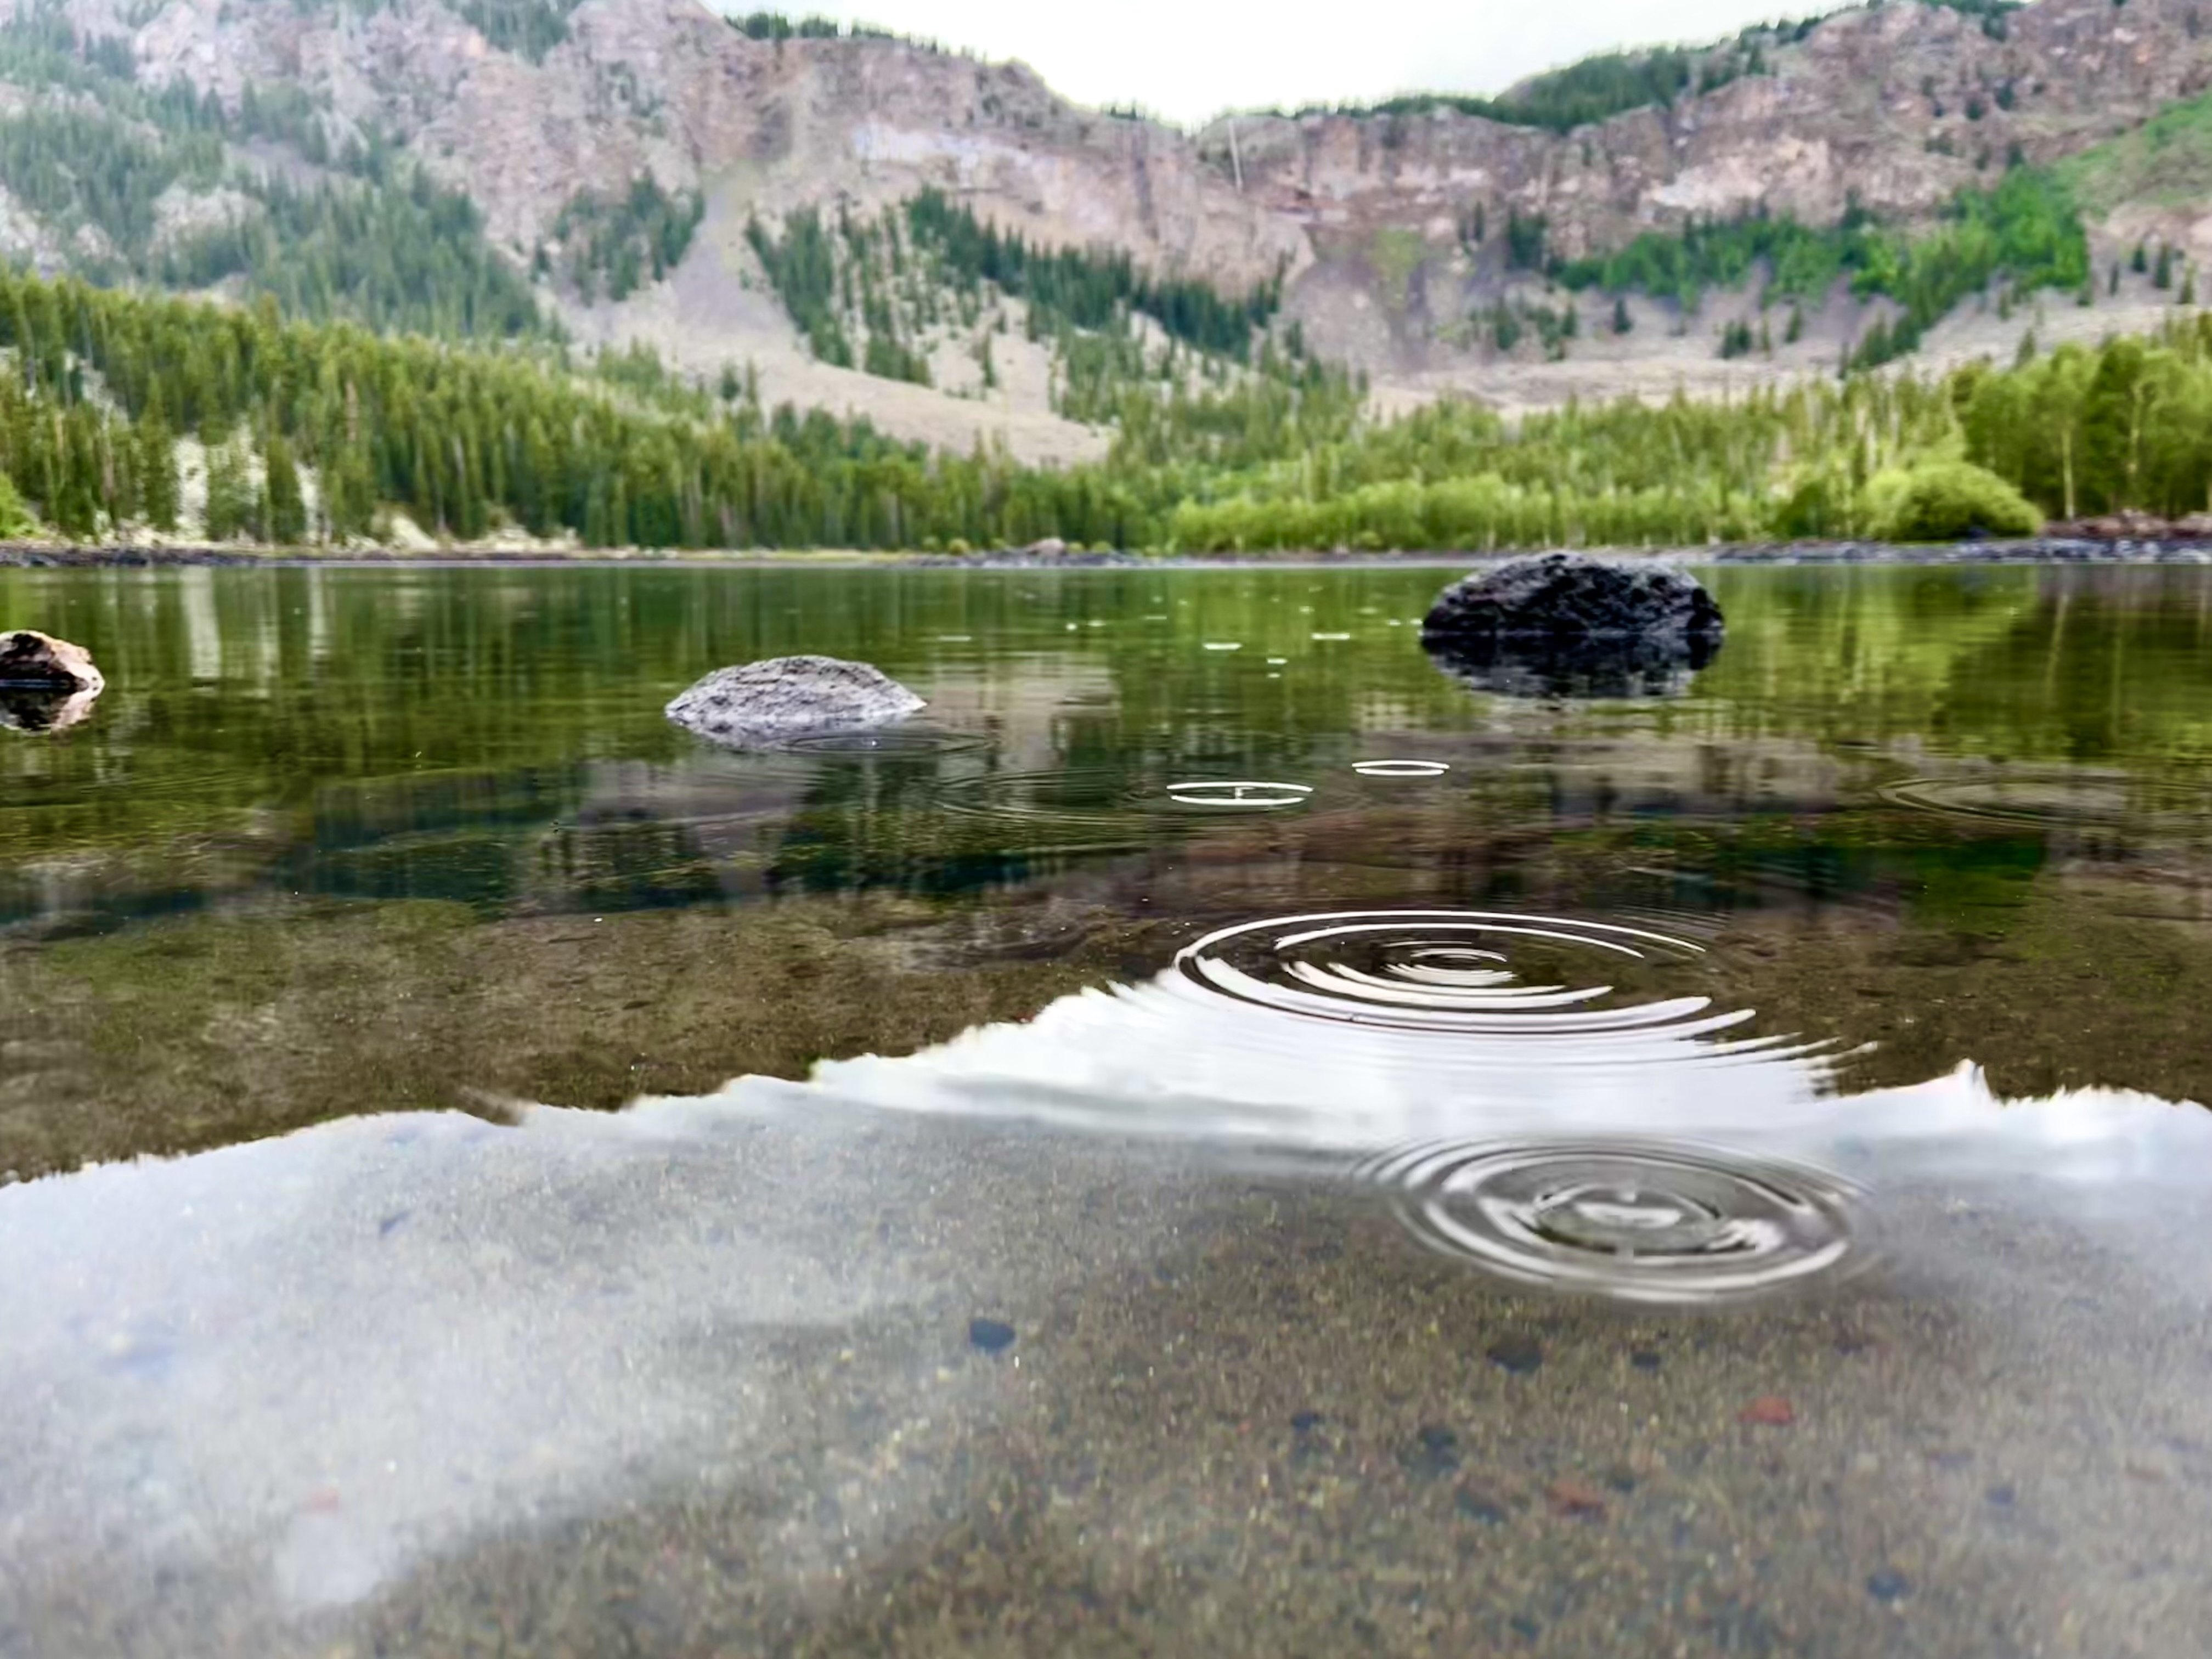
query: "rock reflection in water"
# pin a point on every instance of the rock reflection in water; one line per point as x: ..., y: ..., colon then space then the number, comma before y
x: 1515, y: 667
x: 39, y: 709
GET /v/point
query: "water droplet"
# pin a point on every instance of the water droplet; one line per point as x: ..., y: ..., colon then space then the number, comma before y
x: 1645, y: 1223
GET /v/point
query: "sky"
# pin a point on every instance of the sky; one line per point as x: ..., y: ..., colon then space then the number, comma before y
x: 1189, y: 60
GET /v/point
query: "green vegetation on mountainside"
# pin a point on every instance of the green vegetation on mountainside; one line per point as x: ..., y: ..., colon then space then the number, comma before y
x: 134, y: 184
x: 931, y: 263
x: 2164, y: 162
x: 2024, y: 230
x: 529, y: 27
x: 929, y: 293
x: 1599, y: 88
x: 617, y: 245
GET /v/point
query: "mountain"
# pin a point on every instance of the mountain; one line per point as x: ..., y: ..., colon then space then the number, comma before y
x: 868, y: 224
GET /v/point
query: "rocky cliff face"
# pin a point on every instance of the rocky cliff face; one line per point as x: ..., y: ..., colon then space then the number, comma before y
x: 1897, y: 106
x: 669, y: 87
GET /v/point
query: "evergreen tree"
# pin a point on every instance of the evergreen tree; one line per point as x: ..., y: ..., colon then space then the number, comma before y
x: 230, y: 499
x: 156, y: 467
x: 284, y: 515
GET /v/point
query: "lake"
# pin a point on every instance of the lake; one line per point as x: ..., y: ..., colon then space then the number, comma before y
x: 1219, y: 1136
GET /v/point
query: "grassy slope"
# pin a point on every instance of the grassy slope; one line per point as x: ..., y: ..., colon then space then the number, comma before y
x: 2166, y: 162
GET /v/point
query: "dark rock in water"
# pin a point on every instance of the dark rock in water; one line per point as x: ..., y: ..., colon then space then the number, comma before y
x: 1574, y: 599
x: 1567, y: 624
x: 46, y: 684
x: 762, y: 704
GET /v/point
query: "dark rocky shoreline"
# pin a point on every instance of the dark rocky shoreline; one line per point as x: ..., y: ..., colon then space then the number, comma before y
x: 2042, y: 549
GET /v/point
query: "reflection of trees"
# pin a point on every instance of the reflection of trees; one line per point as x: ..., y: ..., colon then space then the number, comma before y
x: 2017, y: 662
x: 462, y: 733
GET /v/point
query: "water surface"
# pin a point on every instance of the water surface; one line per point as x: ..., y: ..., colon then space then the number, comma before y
x: 1214, y: 1138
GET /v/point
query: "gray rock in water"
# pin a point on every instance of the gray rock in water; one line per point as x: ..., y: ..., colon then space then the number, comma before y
x: 46, y: 684
x: 761, y: 703
x: 1569, y: 625
x: 1573, y: 598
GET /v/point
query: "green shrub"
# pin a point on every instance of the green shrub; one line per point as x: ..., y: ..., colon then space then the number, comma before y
x: 1944, y: 501
x: 14, y: 517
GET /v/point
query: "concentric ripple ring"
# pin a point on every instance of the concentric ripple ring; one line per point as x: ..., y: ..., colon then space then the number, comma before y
x: 1494, y: 975
x: 1655, y: 1223
x: 1401, y: 769
x: 889, y: 740
x: 1233, y: 795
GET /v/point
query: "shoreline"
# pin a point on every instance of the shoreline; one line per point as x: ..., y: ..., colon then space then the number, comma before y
x: 2041, y: 550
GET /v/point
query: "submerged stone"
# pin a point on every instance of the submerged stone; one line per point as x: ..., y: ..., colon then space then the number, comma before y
x: 1569, y: 625
x: 46, y: 684
x: 760, y: 703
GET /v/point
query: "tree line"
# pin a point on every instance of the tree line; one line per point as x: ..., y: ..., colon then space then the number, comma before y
x: 317, y: 430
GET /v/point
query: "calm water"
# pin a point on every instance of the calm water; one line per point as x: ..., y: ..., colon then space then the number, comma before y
x: 1217, y: 1137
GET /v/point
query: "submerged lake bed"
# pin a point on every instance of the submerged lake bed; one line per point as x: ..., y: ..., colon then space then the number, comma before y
x: 1215, y: 1136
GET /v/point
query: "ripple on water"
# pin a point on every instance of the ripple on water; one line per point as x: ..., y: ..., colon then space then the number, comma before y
x: 2059, y: 798
x: 1401, y: 769
x: 888, y: 740
x: 1093, y: 798
x: 1637, y: 1222
x: 1234, y: 796
x: 1581, y: 989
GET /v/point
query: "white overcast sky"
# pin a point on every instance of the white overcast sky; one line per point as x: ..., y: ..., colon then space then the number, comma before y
x: 1190, y: 59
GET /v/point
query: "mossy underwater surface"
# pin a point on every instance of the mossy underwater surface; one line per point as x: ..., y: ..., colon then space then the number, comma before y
x: 370, y: 849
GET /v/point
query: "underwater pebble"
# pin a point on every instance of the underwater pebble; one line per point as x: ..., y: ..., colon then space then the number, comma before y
x: 1436, y: 1453
x: 1480, y: 1506
x: 1517, y: 1355
x: 991, y: 1335
x: 1888, y: 1585
x: 1577, y: 1497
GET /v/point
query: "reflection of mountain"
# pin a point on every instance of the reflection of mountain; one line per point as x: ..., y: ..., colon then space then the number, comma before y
x: 1149, y: 1060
